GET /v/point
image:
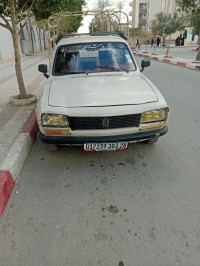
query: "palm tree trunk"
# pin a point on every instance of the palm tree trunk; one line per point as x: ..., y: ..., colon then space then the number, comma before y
x: 15, y: 38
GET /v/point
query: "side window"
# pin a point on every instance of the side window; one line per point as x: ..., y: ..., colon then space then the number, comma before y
x: 60, y: 61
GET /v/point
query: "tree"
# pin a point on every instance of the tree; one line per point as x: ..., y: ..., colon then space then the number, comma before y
x: 16, y: 12
x: 192, y: 10
x: 104, y: 21
x: 44, y: 9
x: 137, y: 33
x: 165, y: 24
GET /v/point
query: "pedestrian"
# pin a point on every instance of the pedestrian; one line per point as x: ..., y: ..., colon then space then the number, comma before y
x: 177, y: 42
x: 137, y: 43
x: 158, y: 41
x: 182, y: 41
x: 152, y: 42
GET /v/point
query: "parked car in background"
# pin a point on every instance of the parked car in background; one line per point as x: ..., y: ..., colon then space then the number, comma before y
x: 97, y: 96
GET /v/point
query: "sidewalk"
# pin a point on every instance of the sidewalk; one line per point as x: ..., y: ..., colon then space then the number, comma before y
x: 18, y: 125
x: 184, y: 62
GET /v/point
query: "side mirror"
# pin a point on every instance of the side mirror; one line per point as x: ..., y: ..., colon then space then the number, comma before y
x: 144, y: 63
x: 43, y: 68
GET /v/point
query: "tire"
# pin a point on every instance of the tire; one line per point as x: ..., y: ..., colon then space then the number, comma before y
x: 52, y: 147
x: 151, y: 141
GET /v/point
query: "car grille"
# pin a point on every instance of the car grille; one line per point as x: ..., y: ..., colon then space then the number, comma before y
x: 84, y: 123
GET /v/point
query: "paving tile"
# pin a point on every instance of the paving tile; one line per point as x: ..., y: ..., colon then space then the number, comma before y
x: 11, y: 130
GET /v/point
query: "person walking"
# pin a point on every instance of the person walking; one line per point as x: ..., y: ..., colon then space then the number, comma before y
x: 137, y: 43
x: 182, y: 41
x: 158, y: 41
x: 152, y: 42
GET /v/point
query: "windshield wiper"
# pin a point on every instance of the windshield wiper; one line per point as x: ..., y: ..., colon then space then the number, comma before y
x: 77, y: 72
x: 113, y: 68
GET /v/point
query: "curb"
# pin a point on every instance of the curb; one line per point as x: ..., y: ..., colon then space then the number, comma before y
x: 14, y: 160
x: 6, y: 186
x: 168, y: 61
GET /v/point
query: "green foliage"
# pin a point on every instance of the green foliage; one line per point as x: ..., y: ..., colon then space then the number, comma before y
x: 195, y: 21
x: 147, y: 42
x: 42, y: 9
x: 137, y: 32
x: 4, y: 8
x: 72, y: 24
x: 192, y: 11
x: 188, y: 4
x: 165, y: 24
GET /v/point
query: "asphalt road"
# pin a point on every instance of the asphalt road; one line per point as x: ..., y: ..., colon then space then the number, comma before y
x: 135, y: 207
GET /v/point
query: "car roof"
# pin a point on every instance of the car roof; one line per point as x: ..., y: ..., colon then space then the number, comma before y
x: 86, y: 39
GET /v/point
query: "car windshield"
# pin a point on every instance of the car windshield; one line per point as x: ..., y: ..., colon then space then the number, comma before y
x: 93, y: 57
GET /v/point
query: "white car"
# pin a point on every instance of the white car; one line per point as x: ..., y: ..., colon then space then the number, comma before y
x: 96, y: 96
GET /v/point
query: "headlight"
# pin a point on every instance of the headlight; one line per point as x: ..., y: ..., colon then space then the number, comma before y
x: 154, y: 115
x: 54, y: 120
x: 154, y: 119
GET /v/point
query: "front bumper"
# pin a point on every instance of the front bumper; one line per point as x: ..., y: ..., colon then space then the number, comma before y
x: 103, y: 139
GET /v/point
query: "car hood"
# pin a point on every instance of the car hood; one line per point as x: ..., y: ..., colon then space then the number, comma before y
x: 100, y: 90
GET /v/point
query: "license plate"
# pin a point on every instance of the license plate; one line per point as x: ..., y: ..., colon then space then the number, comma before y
x: 113, y: 146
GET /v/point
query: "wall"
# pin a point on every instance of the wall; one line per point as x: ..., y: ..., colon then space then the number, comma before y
x: 154, y: 7
x: 31, y: 41
x: 190, y: 40
x: 6, y: 44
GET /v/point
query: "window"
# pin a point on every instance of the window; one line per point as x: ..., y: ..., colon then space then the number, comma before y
x: 93, y: 57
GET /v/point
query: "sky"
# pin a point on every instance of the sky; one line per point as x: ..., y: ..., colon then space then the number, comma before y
x: 91, y: 6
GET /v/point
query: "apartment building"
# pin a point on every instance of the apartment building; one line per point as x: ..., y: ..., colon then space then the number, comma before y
x: 143, y: 11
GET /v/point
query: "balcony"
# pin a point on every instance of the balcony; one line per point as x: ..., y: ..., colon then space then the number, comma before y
x: 143, y: 11
x: 143, y: 27
x: 143, y: 6
x: 142, y: 2
x: 142, y: 21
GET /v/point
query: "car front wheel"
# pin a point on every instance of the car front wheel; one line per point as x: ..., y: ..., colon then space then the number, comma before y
x: 151, y: 141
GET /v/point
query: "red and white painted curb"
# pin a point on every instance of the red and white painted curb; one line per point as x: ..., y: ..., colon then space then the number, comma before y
x: 167, y: 60
x: 13, y: 162
x: 6, y: 186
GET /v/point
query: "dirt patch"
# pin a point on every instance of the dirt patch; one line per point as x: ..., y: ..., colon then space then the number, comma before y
x: 112, y: 209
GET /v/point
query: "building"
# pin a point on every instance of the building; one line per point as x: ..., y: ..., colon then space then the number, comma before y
x: 143, y: 11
